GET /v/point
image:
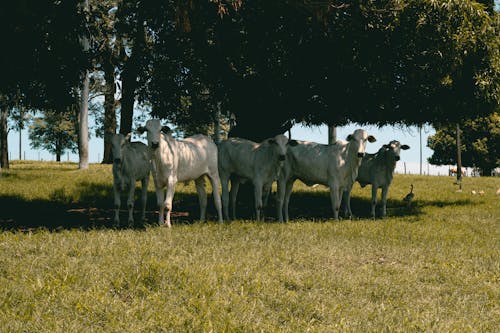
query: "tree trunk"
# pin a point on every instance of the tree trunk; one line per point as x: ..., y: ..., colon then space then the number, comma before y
x: 332, y: 134
x: 83, y: 116
x: 459, y: 158
x: 20, y: 142
x: 129, y: 79
x: 4, y: 152
x: 129, y: 84
x: 83, y: 125
x: 109, y: 112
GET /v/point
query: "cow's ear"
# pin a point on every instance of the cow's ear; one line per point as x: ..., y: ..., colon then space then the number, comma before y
x: 271, y: 141
x: 141, y: 129
x: 292, y: 143
x: 128, y: 136
x: 349, y: 137
x: 371, y: 138
x: 405, y: 147
x: 166, y: 129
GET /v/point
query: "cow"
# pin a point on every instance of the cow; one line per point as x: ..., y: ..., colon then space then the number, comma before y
x: 241, y: 160
x: 130, y: 163
x: 376, y: 169
x: 335, y: 165
x: 179, y: 161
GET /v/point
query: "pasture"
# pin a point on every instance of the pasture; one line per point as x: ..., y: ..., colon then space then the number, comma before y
x: 433, y: 266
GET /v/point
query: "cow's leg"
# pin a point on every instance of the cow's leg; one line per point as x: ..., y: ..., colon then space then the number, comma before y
x: 334, y: 198
x: 202, y: 196
x: 214, y: 180
x: 288, y: 193
x: 374, y: 199
x: 385, y: 189
x: 168, y: 200
x: 266, y: 193
x: 160, y: 195
x: 235, y: 185
x: 224, y: 180
x: 130, y: 201
x: 116, y: 192
x: 144, y: 196
x: 258, y: 199
x: 160, y: 199
x: 280, y: 199
x: 346, y: 201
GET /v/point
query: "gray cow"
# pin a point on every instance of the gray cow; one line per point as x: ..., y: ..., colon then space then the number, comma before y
x: 376, y: 169
x: 241, y: 160
x: 130, y: 163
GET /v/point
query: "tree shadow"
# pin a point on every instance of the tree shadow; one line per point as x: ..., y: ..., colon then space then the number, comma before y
x: 94, y: 209
x: 317, y: 206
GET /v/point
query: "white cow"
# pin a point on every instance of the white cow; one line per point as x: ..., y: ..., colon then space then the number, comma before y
x: 130, y: 163
x: 241, y: 160
x: 178, y: 161
x: 335, y: 166
x: 377, y: 169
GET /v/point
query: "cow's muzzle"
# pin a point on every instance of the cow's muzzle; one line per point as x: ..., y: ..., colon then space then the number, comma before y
x: 397, y: 158
x: 361, y: 155
x: 155, y: 145
x: 281, y: 157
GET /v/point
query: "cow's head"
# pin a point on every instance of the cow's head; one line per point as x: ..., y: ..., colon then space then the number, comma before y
x: 117, y: 142
x: 359, y: 138
x: 154, y: 129
x: 279, y: 142
x: 395, y: 148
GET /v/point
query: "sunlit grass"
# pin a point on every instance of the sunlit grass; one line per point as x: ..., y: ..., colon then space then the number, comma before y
x: 433, y: 266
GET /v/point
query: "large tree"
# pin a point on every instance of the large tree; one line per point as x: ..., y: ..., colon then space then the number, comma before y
x: 42, y: 59
x: 55, y: 132
x: 273, y: 62
x: 480, y: 144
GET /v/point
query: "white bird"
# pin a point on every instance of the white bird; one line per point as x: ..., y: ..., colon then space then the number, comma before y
x: 409, y: 197
x: 498, y: 191
x: 481, y: 192
x: 473, y: 192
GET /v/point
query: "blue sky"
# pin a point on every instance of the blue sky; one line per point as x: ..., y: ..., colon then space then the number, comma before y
x: 406, y: 135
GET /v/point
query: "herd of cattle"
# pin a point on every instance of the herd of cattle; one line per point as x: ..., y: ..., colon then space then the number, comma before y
x: 238, y: 160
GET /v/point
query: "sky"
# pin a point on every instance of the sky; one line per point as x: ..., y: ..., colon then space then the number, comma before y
x: 407, y: 135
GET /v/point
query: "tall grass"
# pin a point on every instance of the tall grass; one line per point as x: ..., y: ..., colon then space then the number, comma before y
x: 433, y: 266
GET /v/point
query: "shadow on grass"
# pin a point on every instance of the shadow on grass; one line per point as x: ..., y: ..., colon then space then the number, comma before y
x: 316, y: 205
x: 94, y: 209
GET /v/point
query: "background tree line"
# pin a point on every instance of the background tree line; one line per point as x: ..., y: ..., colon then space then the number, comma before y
x: 264, y: 65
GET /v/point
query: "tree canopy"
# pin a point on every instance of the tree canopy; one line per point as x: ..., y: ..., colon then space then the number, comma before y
x: 272, y: 62
x: 268, y: 63
x: 41, y: 57
x: 480, y: 146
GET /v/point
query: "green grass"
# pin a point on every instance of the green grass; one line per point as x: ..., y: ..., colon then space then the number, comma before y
x: 434, y: 266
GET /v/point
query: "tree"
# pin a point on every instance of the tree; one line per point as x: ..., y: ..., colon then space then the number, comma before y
x: 4, y: 132
x: 480, y: 144
x: 414, y: 62
x: 55, y: 132
x: 44, y: 59
x: 19, y: 118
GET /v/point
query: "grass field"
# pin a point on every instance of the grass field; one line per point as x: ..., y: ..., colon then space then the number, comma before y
x: 434, y: 266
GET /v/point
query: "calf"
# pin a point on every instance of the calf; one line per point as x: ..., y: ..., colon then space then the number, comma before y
x: 130, y: 163
x: 179, y: 161
x: 241, y: 160
x: 335, y: 166
x: 377, y: 169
